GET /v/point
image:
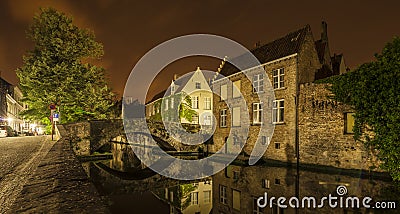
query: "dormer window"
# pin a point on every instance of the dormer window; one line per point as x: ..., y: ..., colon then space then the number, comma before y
x: 172, y: 89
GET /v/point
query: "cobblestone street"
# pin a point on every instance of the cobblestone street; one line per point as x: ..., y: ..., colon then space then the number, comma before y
x: 19, y: 158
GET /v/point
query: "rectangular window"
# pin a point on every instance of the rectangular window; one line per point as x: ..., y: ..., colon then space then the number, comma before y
x: 348, y: 123
x: 278, y: 111
x: 224, y: 92
x: 207, y: 103
x: 172, y: 103
x: 277, y: 145
x: 277, y: 181
x: 264, y: 140
x: 265, y: 183
x: 195, y: 197
x: 207, y: 196
x: 236, y: 199
x: 172, y: 89
x: 171, y: 196
x: 207, y: 120
x: 236, y: 89
x: 256, y: 208
x: 223, y: 117
x: 257, y: 113
x: 223, y: 197
x: 236, y: 116
x: 258, y: 83
x: 195, y: 102
x: 166, y: 104
x: 195, y: 119
x: 278, y: 78
x: 198, y: 85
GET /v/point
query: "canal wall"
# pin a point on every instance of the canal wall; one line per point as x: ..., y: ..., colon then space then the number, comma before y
x: 59, y: 185
x: 89, y: 136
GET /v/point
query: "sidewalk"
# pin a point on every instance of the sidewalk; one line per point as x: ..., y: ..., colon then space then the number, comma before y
x: 59, y: 185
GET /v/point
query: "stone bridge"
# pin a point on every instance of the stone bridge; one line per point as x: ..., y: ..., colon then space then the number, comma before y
x: 91, y: 136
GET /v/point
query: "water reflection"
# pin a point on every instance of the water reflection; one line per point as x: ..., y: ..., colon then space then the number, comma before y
x: 129, y: 187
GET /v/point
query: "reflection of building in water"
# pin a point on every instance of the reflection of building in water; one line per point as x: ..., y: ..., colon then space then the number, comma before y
x: 124, y: 158
x: 237, y: 189
x: 193, y: 198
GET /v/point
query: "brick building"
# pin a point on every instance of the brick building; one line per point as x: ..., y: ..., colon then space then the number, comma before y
x: 315, y: 134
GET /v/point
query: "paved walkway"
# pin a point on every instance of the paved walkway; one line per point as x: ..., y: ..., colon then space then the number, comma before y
x: 58, y: 184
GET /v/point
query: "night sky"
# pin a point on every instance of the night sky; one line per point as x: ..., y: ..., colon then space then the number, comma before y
x: 128, y: 29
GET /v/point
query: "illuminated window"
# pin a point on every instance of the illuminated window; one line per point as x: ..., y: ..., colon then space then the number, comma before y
x: 348, y: 123
x: 236, y: 199
x: 224, y: 92
x: 236, y: 89
x: 207, y: 103
x: 236, y: 116
x: 258, y: 83
x: 195, y: 102
x: 257, y: 113
x: 207, y: 196
x: 265, y: 183
x: 278, y: 111
x: 195, y: 197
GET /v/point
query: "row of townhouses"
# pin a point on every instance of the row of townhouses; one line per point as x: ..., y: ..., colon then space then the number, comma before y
x: 11, y: 107
x: 309, y: 126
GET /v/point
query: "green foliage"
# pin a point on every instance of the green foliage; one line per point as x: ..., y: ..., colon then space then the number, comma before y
x: 373, y: 89
x: 185, y: 109
x: 55, y: 72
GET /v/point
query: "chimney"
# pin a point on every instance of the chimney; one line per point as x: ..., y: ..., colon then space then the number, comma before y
x: 324, y: 31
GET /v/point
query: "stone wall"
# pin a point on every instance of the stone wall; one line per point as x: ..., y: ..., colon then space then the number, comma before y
x: 88, y: 137
x: 79, y: 137
x: 321, y: 128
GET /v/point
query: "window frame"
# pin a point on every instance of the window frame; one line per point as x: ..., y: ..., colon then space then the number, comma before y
x: 197, y: 84
x: 223, y: 116
x: 278, y: 111
x: 258, y: 112
x: 278, y: 79
x: 207, y: 103
x: 194, y: 200
x: 258, y: 83
x: 195, y: 102
x: 345, y: 128
x: 223, y: 195
x: 224, y: 94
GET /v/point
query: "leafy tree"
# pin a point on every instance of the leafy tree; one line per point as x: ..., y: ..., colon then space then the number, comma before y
x: 57, y: 71
x: 373, y: 90
x: 184, y: 109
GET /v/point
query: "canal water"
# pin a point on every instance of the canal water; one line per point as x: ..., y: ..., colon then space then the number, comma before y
x: 128, y: 187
